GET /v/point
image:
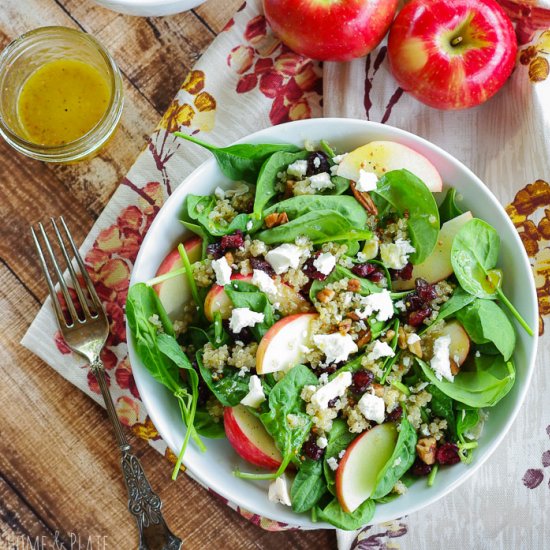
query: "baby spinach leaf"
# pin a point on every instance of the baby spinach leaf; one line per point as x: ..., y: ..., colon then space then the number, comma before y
x: 244, y: 161
x: 333, y: 513
x: 320, y: 226
x: 442, y: 407
x: 199, y: 208
x: 348, y: 206
x: 230, y: 388
x: 448, y: 209
x: 483, y: 384
x: 244, y: 294
x: 485, y: 322
x: 340, y: 272
x: 207, y: 426
x: 459, y: 300
x: 267, y: 185
x: 284, y: 400
x: 341, y: 185
x: 339, y: 439
x: 408, y: 194
x: 400, y: 461
x: 308, y: 486
x: 466, y: 419
x: 474, y: 254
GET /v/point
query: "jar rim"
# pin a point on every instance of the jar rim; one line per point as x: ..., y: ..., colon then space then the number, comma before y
x: 80, y: 147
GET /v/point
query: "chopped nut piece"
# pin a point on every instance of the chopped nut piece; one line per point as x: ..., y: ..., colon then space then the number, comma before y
x: 389, y: 335
x: 416, y: 349
x: 325, y: 295
x: 275, y: 219
x: 344, y: 326
x: 425, y: 448
x: 402, y: 338
x: 364, y: 338
x: 354, y: 285
x: 364, y: 199
x: 352, y: 315
x: 378, y: 390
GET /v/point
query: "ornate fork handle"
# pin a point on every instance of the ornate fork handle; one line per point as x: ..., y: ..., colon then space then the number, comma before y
x: 143, y: 503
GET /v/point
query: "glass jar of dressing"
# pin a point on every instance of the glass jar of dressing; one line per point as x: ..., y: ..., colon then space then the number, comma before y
x: 60, y: 94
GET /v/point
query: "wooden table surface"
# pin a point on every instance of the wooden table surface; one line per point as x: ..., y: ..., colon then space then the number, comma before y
x: 60, y: 479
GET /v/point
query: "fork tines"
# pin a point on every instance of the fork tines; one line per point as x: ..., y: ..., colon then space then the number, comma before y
x: 89, y: 306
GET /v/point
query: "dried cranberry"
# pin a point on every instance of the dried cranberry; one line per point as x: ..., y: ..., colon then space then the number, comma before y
x: 311, y: 449
x: 262, y: 265
x: 317, y: 163
x: 376, y: 276
x: 425, y: 291
x: 215, y: 250
x: 416, y: 318
x: 420, y: 468
x: 235, y: 240
x: 363, y: 270
x: 329, y: 369
x: 361, y: 380
x: 245, y: 336
x: 404, y: 274
x: 311, y: 271
x: 413, y: 302
x: 447, y: 454
x: 396, y: 414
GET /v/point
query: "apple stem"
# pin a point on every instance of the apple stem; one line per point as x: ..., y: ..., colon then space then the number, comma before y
x: 456, y: 41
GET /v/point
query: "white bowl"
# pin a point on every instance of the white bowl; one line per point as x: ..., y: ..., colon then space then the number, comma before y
x: 214, y: 467
x: 149, y: 8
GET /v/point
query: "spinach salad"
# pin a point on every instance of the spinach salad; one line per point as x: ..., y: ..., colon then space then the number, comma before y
x: 346, y: 334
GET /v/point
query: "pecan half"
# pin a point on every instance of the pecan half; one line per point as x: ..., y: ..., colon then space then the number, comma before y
x: 425, y: 448
x: 364, y: 199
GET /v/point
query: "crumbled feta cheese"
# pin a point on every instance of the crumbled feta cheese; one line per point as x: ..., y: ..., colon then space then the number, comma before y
x: 335, y: 388
x: 302, y: 348
x: 325, y: 263
x: 380, y: 349
x: 341, y: 453
x: 334, y: 170
x: 255, y: 396
x: 297, y: 169
x: 372, y: 407
x: 339, y: 158
x: 278, y: 491
x: 396, y: 462
x: 332, y: 463
x: 396, y: 255
x: 377, y: 301
x: 249, y: 225
x: 412, y: 338
x: 316, y: 162
x: 406, y: 361
x: 321, y: 181
x: 323, y: 379
x: 440, y: 362
x: 220, y: 193
x: 322, y: 442
x: 283, y: 257
x: 478, y: 354
x: 336, y: 346
x: 264, y: 282
x: 222, y: 270
x: 242, y: 317
x: 367, y: 181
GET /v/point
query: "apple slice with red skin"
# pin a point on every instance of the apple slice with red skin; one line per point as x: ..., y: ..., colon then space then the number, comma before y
x: 250, y: 439
x: 460, y: 341
x: 384, y: 156
x: 290, y: 301
x: 285, y: 344
x: 358, y: 471
x: 437, y: 266
x: 174, y: 293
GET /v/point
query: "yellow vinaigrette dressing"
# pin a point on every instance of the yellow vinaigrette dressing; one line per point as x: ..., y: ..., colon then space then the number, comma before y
x: 62, y: 101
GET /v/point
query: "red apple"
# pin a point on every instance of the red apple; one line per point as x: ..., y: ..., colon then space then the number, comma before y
x: 335, y: 30
x: 452, y: 55
x: 249, y: 438
x: 174, y: 293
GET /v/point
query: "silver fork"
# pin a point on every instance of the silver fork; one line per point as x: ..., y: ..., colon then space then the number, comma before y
x: 86, y: 335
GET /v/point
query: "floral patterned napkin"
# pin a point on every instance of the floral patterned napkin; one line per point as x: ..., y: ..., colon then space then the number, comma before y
x: 248, y: 80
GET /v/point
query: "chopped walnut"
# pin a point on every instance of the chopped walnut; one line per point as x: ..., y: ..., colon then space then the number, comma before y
x: 416, y: 349
x: 275, y: 219
x: 378, y: 390
x: 364, y: 338
x: 425, y: 448
x: 354, y: 285
x: 325, y: 295
x: 229, y: 258
x: 353, y: 316
x: 402, y: 338
x: 344, y: 326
